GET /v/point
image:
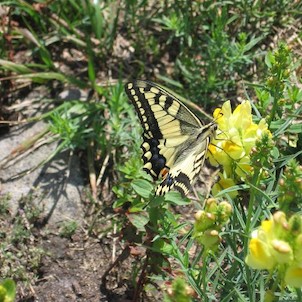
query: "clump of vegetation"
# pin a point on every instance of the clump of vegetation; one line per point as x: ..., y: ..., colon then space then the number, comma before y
x: 21, y: 253
x: 68, y: 228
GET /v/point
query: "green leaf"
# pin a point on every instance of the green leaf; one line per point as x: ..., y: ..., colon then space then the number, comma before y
x: 156, y: 201
x: 91, y: 69
x: 275, y: 152
x: 139, y: 220
x: 162, y: 246
x: 295, y: 128
x: 252, y: 43
x: 43, y: 76
x: 169, y: 81
x: 176, y: 198
x: 269, y: 59
x: 233, y: 189
x: 18, y: 68
x: 142, y: 187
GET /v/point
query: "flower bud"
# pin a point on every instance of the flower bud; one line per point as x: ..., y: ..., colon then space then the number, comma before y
x: 225, y: 210
x: 282, y: 251
x: 295, y: 224
x: 211, y: 205
x: 210, y: 239
x: 203, y: 221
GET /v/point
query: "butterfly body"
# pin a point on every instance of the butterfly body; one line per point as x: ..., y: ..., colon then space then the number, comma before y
x: 175, y: 140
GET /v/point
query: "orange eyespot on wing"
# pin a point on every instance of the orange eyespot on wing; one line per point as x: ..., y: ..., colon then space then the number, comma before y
x: 164, y: 172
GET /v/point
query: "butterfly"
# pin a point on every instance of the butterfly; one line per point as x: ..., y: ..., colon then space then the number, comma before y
x: 175, y: 140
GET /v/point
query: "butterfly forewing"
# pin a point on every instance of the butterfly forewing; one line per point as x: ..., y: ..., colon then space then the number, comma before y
x: 175, y: 140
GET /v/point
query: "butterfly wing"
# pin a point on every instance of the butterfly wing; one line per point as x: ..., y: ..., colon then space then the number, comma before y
x: 175, y: 140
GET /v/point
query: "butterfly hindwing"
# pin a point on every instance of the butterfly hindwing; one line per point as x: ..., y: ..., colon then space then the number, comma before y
x: 175, y: 140
x: 182, y: 174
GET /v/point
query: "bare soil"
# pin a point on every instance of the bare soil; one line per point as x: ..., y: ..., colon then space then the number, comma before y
x: 34, y: 206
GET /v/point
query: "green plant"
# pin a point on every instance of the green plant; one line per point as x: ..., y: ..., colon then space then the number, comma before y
x: 7, y: 290
x: 20, y: 255
x: 168, y: 239
x: 4, y: 204
x: 68, y: 228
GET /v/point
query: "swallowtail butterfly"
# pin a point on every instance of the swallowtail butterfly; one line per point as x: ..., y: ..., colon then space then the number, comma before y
x: 175, y: 141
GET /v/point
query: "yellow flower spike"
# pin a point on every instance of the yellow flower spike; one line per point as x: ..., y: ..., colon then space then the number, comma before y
x: 235, y: 138
x: 259, y: 256
x: 293, y: 276
x: 277, y: 244
x: 209, y: 222
x: 282, y: 251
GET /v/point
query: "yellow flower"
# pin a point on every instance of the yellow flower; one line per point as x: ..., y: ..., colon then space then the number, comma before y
x: 236, y: 136
x: 217, y: 155
x: 260, y: 251
x: 266, y: 230
x: 293, y: 276
x: 275, y: 246
x: 259, y: 256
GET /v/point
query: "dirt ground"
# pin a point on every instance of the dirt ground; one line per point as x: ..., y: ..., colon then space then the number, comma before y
x: 52, y: 267
x: 68, y: 269
x: 73, y: 271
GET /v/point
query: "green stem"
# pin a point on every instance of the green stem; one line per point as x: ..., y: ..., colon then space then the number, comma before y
x: 276, y: 96
x: 204, y: 275
x: 299, y: 294
x: 255, y: 182
x: 276, y: 93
